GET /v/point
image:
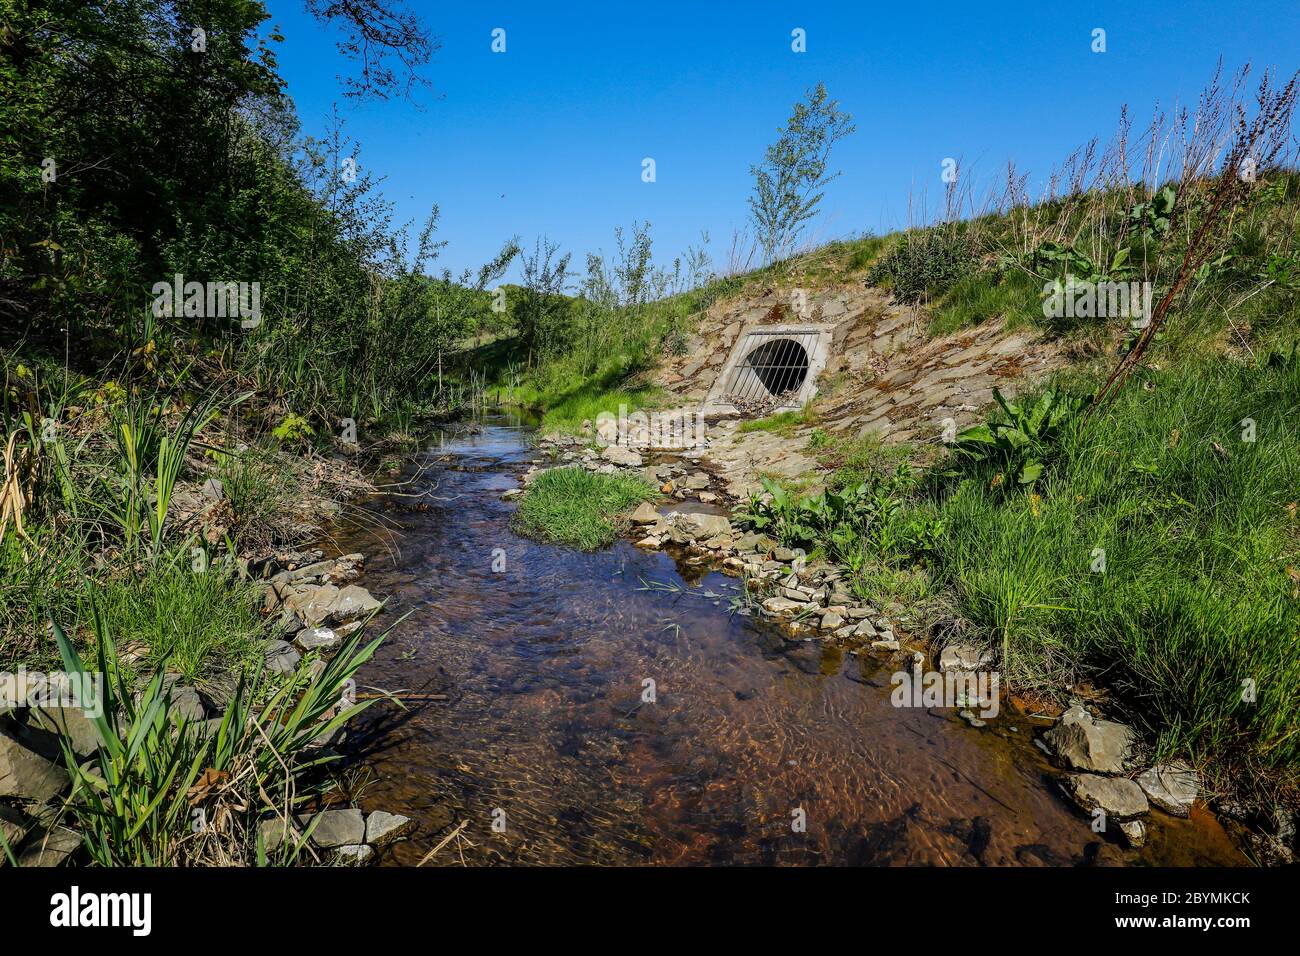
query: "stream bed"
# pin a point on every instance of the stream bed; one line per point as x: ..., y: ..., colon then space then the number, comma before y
x: 526, y: 664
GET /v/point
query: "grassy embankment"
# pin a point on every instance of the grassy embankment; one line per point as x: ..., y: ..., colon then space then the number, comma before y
x: 1149, y: 548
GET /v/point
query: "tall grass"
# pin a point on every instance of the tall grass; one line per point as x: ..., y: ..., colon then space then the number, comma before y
x: 162, y: 792
x: 1155, y: 555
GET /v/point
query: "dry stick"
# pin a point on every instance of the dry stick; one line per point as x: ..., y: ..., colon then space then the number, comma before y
x: 1273, y: 119
x: 445, y: 840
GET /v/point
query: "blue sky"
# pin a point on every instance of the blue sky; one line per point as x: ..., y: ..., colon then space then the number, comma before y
x: 549, y: 136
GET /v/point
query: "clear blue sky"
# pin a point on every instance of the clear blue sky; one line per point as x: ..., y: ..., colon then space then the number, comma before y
x: 549, y: 136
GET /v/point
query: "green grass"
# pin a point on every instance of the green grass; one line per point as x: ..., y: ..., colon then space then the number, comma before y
x: 198, y: 622
x: 1015, y: 297
x: 1194, y: 599
x: 587, y: 402
x: 580, y: 508
x: 782, y: 423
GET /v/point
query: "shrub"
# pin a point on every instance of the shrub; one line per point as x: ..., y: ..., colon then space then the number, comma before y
x: 924, y: 264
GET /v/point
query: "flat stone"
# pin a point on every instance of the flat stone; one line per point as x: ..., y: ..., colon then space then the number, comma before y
x: 337, y: 828
x: 70, y: 723
x: 312, y: 604
x: 281, y: 658
x: 28, y: 775
x: 1171, y: 787
x: 623, y: 457
x: 356, y: 854
x: 831, y: 620
x: 759, y: 543
x: 650, y: 542
x: 274, y: 831
x: 702, y: 526
x: 318, y: 639
x: 13, y: 826
x: 52, y: 848
x: 1119, y: 797
x: 865, y: 629
x: 1135, y: 832
x: 780, y: 605
x: 1087, y: 744
x: 213, y: 489
x: 383, y: 828
x: 645, y: 513
x: 351, y: 603
x: 964, y: 657
x: 183, y: 701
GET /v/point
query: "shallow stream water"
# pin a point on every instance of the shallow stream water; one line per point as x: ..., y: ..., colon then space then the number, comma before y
x: 533, y: 732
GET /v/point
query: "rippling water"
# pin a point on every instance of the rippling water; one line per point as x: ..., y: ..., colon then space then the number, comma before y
x: 543, y: 729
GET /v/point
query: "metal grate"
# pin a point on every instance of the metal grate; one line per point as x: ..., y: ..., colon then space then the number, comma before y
x: 775, y: 364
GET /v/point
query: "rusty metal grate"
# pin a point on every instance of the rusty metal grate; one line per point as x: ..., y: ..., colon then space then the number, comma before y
x: 775, y: 364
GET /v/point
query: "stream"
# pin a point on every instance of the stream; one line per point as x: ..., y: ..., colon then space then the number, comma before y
x: 526, y: 664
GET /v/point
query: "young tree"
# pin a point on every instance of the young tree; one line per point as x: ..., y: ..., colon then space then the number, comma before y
x: 541, y: 309
x: 789, y: 184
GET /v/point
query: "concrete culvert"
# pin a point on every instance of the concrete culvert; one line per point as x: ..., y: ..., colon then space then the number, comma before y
x: 771, y: 367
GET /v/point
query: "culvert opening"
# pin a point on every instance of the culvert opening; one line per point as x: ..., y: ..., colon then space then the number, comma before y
x: 772, y: 367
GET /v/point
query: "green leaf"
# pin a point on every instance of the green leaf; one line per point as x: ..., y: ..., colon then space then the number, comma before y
x: 1029, y: 474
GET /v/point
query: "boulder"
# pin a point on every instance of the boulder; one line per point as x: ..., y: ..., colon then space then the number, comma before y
x: 1100, y: 746
x: 383, y: 828
x: 1119, y: 797
x: 26, y: 774
x: 1172, y: 787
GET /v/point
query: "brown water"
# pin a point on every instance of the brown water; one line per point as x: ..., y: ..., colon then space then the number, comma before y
x: 543, y: 727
